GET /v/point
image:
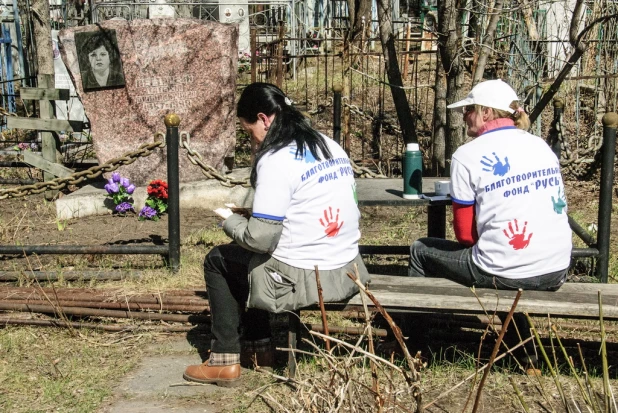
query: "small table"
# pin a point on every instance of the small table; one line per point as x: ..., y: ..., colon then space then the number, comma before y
x: 389, y: 192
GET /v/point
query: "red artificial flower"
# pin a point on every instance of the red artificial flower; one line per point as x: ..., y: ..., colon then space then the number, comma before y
x: 157, y: 189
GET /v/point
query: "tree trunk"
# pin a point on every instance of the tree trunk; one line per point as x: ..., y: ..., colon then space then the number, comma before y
x: 449, y: 47
x: 526, y: 10
x: 438, y: 165
x: 357, y: 9
x: 41, y: 33
x: 387, y: 38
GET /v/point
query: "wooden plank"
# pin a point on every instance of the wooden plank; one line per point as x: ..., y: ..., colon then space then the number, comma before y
x: 33, y: 93
x: 579, y: 300
x: 53, y: 168
x: 13, y: 122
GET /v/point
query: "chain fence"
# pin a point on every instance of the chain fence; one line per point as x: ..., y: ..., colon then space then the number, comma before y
x: 208, y: 171
x: 365, y: 115
x: 79, y: 177
x: 143, y: 151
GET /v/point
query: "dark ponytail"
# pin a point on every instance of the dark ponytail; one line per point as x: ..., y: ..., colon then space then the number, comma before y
x: 288, y: 125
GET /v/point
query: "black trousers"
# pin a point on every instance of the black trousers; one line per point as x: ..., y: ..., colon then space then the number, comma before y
x: 226, y: 271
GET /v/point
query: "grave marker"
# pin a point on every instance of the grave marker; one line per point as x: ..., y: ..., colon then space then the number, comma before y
x: 182, y: 66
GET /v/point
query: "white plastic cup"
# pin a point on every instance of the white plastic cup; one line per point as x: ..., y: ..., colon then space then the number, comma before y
x: 443, y: 188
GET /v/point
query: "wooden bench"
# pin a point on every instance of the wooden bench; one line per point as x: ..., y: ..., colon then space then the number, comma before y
x: 415, y: 294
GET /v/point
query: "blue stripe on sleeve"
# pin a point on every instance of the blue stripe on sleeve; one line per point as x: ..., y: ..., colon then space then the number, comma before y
x: 265, y: 216
x: 459, y: 201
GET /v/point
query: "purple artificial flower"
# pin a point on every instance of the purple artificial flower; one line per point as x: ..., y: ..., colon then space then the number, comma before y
x: 148, y: 212
x: 125, y: 182
x: 115, y: 177
x: 111, y: 187
x: 124, y: 207
x: 130, y: 189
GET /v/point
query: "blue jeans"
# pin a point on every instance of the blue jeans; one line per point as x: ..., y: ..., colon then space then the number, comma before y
x: 226, y: 270
x: 437, y: 257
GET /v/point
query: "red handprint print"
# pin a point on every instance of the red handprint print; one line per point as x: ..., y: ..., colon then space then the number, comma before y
x: 331, y: 227
x: 517, y: 239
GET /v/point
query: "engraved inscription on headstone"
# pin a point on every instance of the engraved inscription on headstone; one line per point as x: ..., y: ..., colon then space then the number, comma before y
x: 155, y: 93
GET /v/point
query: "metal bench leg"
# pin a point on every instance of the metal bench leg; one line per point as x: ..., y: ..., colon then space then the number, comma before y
x: 293, y: 340
x: 436, y: 221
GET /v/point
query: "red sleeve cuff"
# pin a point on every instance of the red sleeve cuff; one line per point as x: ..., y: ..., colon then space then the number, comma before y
x: 464, y: 224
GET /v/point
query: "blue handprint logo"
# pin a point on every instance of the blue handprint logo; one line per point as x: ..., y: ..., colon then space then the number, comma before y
x: 559, y: 203
x: 497, y: 166
x: 307, y: 156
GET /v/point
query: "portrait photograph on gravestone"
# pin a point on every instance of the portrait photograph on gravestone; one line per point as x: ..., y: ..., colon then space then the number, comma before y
x: 99, y: 60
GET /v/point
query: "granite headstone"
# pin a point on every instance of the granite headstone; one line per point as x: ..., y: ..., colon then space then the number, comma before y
x: 182, y: 66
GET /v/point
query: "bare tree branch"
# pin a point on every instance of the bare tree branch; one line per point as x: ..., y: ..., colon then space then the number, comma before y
x: 487, y: 42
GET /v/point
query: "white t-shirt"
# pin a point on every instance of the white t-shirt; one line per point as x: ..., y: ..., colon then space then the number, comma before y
x: 514, y: 179
x: 316, y: 200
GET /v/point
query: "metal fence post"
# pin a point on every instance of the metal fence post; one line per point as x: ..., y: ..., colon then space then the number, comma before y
x: 173, y: 201
x: 253, y: 43
x: 337, y: 113
x: 554, y: 138
x: 608, y: 151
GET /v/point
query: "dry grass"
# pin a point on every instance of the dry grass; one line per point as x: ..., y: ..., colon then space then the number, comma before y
x: 44, y: 370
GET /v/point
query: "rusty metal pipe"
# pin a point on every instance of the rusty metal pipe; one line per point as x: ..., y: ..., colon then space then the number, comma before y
x: 83, y: 249
x: 71, y: 291
x: 95, y: 326
x: 157, y: 300
x: 81, y: 311
x: 113, y: 305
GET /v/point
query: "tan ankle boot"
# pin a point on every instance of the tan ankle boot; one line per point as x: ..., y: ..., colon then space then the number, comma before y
x: 224, y: 376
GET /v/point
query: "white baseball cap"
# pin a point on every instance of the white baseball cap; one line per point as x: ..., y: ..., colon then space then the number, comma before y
x: 491, y: 94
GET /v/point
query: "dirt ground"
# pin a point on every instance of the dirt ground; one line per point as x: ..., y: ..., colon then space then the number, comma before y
x: 32, y: 221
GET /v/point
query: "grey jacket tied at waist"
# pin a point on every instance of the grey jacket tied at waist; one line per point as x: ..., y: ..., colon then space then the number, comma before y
x: 275, y: 286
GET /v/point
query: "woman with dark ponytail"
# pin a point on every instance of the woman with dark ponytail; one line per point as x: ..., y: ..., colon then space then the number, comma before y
x: 304, y: 217
x: 284, y: 123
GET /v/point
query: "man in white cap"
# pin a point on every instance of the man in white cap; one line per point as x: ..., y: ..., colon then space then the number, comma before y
x: 509, y: 204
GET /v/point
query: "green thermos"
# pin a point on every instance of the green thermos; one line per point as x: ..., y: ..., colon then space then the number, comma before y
x: 412, y: 172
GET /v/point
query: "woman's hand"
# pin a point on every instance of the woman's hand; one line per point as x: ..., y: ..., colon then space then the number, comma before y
x: 245, y: 212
